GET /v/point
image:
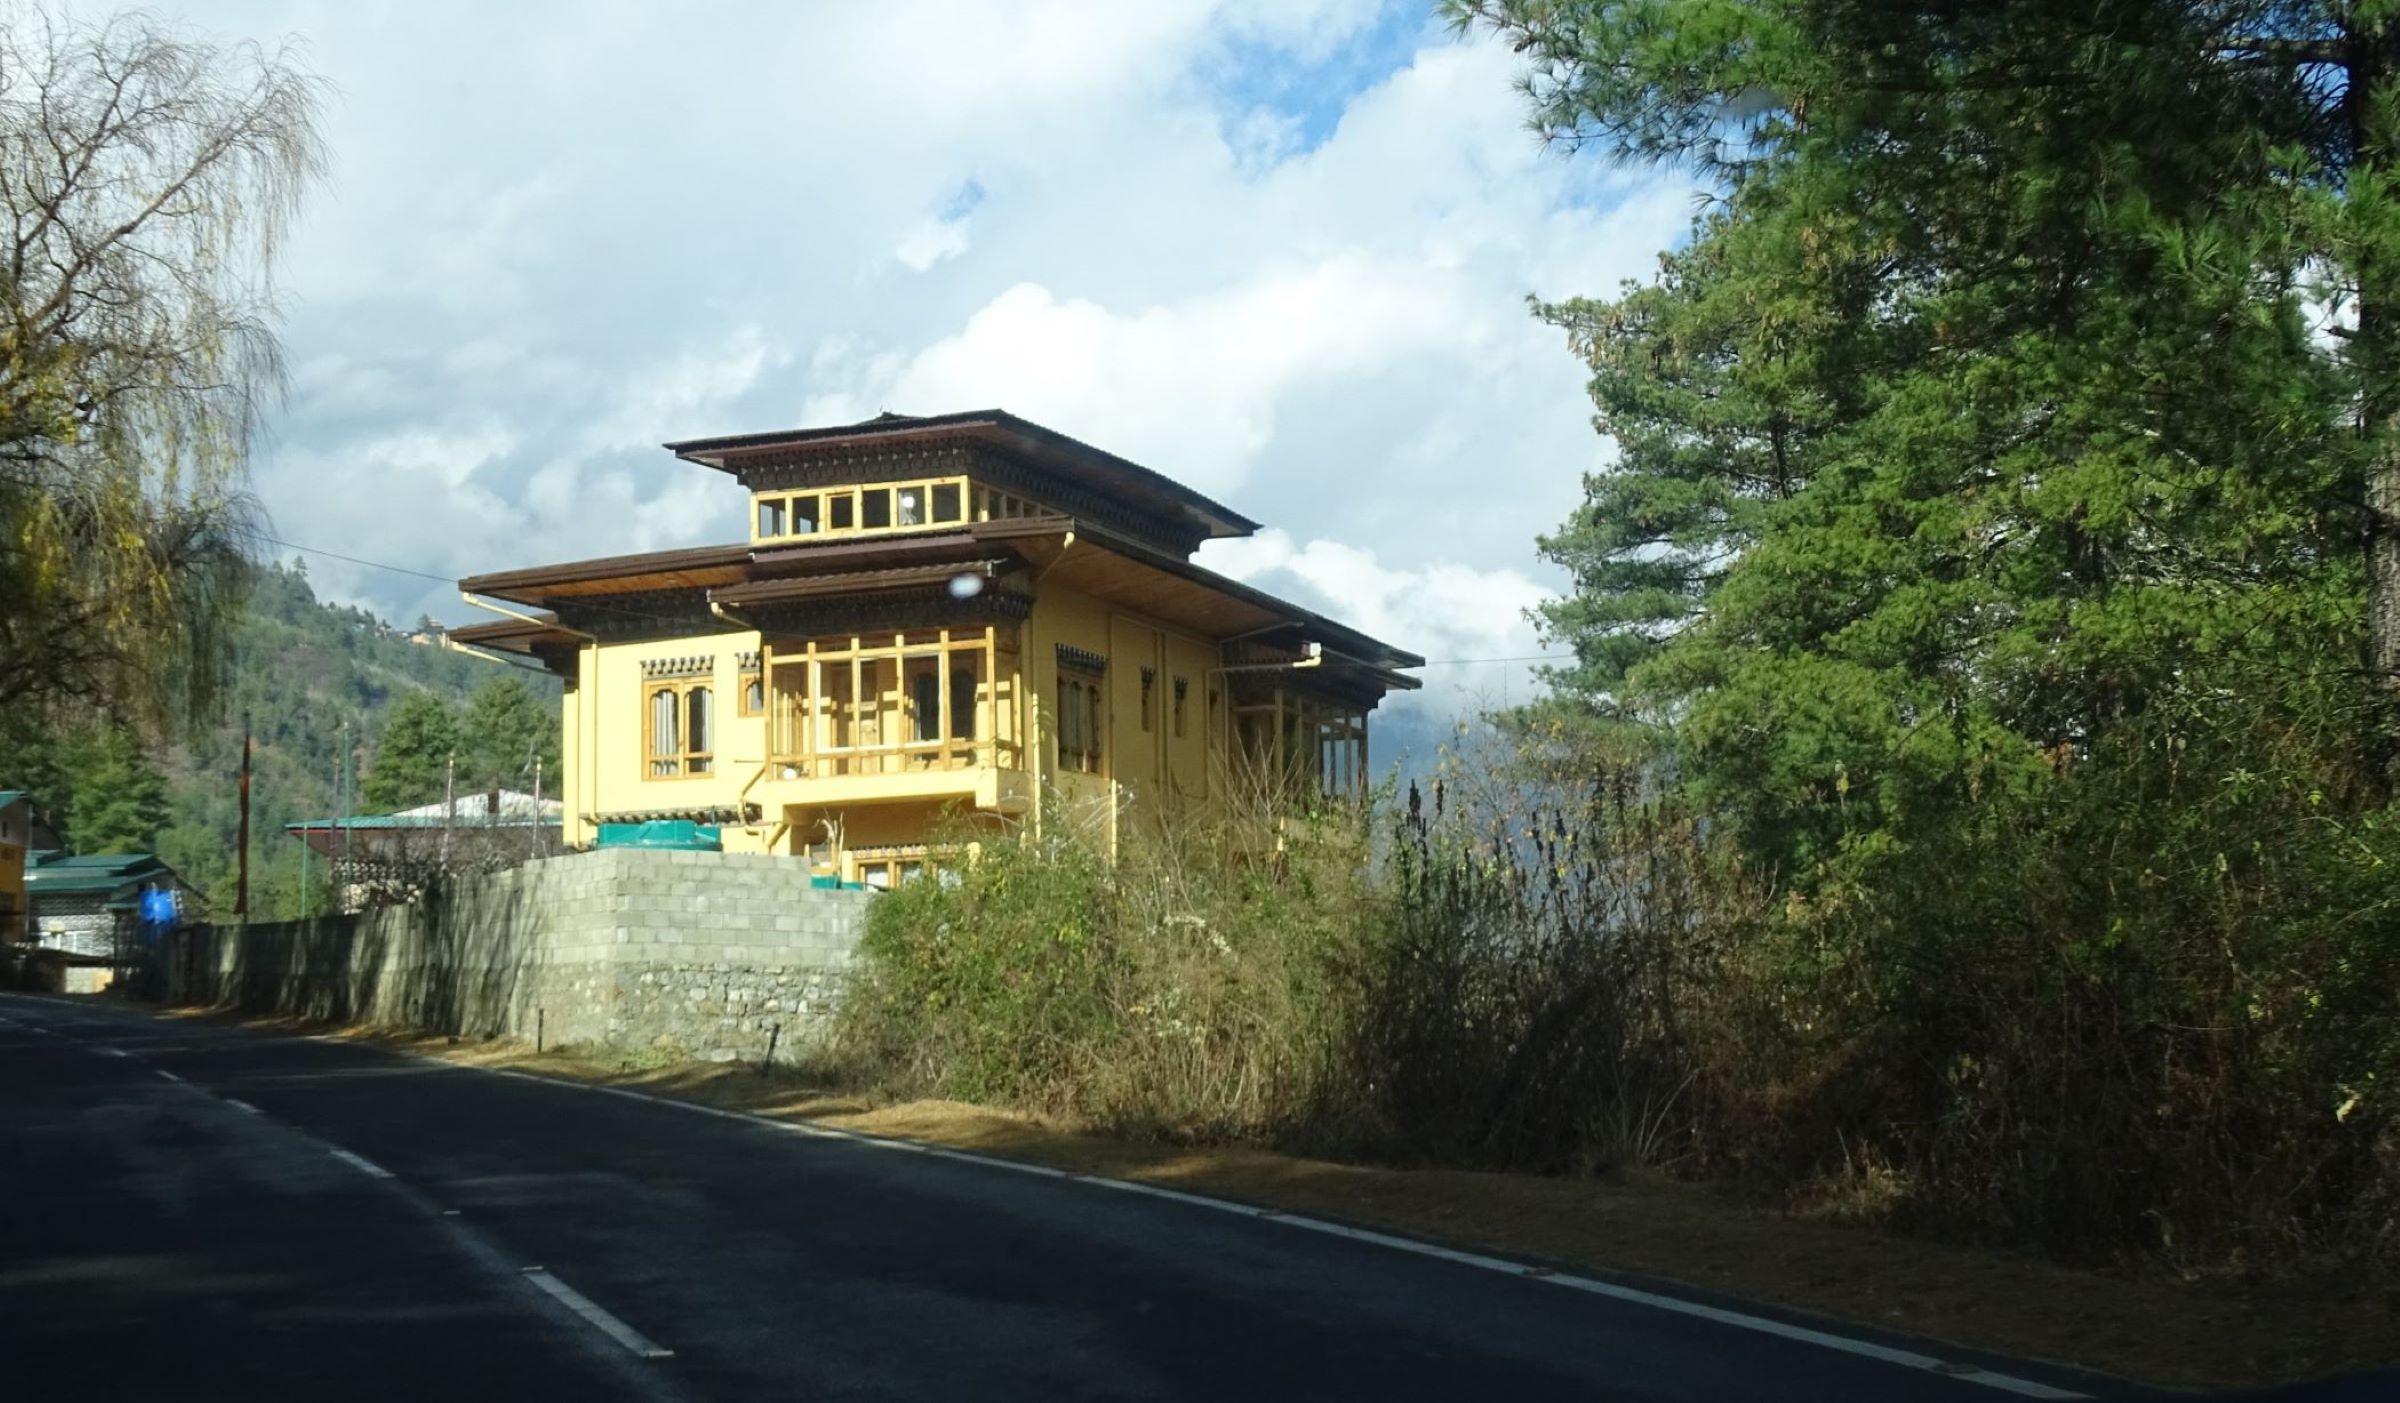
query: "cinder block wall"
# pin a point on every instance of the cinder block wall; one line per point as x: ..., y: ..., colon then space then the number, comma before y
x: 702, y: 953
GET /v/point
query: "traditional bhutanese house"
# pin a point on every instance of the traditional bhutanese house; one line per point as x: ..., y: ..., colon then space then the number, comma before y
x: 85, y: 905
x: 963, y: 612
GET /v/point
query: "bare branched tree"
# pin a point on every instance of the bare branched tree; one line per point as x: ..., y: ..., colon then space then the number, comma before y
x: 146, y: 182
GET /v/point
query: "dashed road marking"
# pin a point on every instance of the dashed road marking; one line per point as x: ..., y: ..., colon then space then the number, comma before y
x: 359, y: 1162
x: 633, y: 1340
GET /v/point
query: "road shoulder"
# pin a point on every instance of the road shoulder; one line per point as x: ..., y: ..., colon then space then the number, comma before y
x: 2166, y: 1333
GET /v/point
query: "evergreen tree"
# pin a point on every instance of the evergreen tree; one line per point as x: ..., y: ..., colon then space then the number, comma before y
x: 1984, y: 416
x: 121, y: 800
x: 504, y: 729
x: 413, y: 755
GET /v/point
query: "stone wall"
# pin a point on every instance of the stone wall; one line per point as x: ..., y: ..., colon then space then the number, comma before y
x: 703, y: 953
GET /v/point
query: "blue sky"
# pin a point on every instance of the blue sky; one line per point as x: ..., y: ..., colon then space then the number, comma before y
x: 1278, y: 249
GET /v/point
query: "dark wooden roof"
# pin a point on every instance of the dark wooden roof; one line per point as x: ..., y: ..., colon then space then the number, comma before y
x: 1070, y: 553
x: 669, y: 569
x: 1047, y: 449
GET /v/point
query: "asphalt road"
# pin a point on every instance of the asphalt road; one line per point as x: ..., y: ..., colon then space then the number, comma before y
x: 192, y: 1210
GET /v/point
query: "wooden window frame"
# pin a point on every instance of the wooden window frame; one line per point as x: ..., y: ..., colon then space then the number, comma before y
x: 900, y: 864
x: 972, y: 502
x: 684, y: 757
x: 749, y: 678
x: 1082, y: 718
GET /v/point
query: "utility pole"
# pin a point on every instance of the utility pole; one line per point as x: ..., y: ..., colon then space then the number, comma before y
x: 342, y: 788
x: 241, y: 882
x: 537, y: 829
x: 449, y: 804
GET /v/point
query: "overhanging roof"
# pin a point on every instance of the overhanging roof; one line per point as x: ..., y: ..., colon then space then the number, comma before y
x: 1059, y: 549
x: 1070, y: 458
x: 615, y: 574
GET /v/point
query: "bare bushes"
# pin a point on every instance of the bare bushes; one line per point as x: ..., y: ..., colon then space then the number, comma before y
x: 2150, y: 1011
x: 1488, y: 971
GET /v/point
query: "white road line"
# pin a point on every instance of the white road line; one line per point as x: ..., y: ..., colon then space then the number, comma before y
x: 164, y: 1075
x: 600, y: 1320
x: 244, y: 1105
x: 1631, y: 1295
x: 360, y: 1163
x: 112, y: 1052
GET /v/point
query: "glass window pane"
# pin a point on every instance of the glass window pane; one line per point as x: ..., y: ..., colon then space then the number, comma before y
x: 804, y: 515
x: 962, y: 697
x: 770, y: 516
x: 924, y: 699
x: 839, y: 512
x: 874, y: 508
x: 699, y: 721
x: 946, y: 506
x: 663, y: 731
x: 909, y: 506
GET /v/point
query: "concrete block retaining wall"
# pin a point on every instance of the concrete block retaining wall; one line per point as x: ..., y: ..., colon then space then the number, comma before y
x: 702, y: 953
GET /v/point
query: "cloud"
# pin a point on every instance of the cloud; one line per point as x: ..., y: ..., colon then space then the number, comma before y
x: 1192, y: 387
x: 1278, y: 249
x: 1471, y: 625
x: 930, y: 242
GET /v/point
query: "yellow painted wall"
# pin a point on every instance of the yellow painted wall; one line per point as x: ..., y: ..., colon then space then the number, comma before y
x: 614, y: 778
x: 1153, y: 770
x: 1192, y: 660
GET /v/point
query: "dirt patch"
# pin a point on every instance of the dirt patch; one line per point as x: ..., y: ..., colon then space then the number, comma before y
x: 2165, y: 1333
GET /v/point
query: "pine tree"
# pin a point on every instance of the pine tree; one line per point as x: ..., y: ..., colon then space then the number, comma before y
x: 121, y: 799
x: 1985, y: 414
x: 504, y: 729
x: 413, y: 755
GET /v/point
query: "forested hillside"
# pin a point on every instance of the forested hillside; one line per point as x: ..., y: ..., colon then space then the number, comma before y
x: 302, y: 670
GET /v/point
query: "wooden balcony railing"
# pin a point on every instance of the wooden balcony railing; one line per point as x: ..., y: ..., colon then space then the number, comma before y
x: 889, y: 704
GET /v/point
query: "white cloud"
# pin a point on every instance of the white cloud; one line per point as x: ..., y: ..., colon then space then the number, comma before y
x: 664, y: 401
x: 1278, y: 249
x: 931, y: 241
x: 1192, y: 387
x: 1471, y: 625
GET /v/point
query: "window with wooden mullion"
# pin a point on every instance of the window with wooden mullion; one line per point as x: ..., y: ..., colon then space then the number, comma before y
x: 1082, y: 741
x: 678, y: 730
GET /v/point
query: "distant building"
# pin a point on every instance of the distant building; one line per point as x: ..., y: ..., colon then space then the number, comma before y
x: 84, y: 909
x: 378, y: 856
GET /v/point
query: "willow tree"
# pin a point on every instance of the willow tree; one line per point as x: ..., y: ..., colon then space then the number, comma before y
x: 146, y: 182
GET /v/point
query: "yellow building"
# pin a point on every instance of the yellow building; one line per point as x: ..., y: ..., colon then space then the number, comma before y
x: 16, y: 839
x: 966, y: 612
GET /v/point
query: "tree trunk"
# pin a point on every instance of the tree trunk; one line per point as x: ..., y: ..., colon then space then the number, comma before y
x: 2374, y: 59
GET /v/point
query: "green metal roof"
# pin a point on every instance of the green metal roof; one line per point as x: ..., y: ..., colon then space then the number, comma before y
x: 10, y: 796
x: 60, y: 874
x: 420, y: 821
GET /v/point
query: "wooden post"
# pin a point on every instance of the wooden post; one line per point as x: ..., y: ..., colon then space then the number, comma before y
x: 241, y: 881
x: 941, y: 693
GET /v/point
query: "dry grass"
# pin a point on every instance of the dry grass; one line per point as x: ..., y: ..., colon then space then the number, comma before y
x: 2166, y: 1333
